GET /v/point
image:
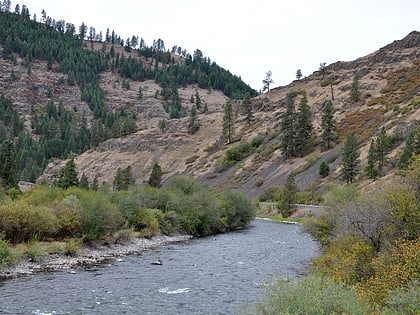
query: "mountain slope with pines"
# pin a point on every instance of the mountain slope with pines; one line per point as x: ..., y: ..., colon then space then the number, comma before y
x: 389, y: 97
x: 131, y: 91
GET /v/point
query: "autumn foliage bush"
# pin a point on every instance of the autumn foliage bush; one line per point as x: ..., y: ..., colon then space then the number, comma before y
x: 372, y: 242
x: 397, y: 267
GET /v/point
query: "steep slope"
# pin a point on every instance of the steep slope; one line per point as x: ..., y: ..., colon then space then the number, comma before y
x: 70, y: 93
x: 389, y: 80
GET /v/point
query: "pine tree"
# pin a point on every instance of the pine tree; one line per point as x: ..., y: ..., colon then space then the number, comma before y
x: 127, y: 178
x: 97, y: 133
x: 288, y: 126
x: 68, y: 176
x: 350, y: 161
x: 95, y: 184
x: 9, y: 174
x: 324, y: 169
x: 267, y: 81
x: 162, y: 125
x: 197, y: 100
x: 247, y: 108
x: 355, y: 88
x: 381, y: 151
x: 304, y: 127
x: 290, y: 195
x: 412, y: 147
x: 155, y: 179
x: 329, y: 133
x: 228, y: 123
x: 84, y: 183
x: 371, y: 169
x: 194, y: 123
x: 117, y: 183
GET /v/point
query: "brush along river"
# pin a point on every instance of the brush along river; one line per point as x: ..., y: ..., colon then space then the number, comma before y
x: 212, y: 275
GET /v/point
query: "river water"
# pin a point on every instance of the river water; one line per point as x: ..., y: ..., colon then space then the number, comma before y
x: 212, y: 275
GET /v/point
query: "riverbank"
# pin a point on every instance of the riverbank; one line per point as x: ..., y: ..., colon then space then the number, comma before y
x: 88, y: 255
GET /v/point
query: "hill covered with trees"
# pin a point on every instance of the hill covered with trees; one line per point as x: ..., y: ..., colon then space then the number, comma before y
x: 55, y: 126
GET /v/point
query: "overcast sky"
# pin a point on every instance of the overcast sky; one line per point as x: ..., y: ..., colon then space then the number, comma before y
x: 249, y: 38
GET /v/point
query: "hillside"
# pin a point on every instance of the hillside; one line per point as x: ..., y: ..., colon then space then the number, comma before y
x: 102, y: 103
x: 389, y: 80
x: 69, y: 93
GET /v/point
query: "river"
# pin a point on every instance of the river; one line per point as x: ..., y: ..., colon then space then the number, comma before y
x: 212, y: 275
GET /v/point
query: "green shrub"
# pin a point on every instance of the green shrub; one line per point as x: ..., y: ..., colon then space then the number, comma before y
x: 395, y: 268
x: 236, y: 209
x: 319, y: 228
x: 313, y: 295
x: 404, y: 300
x: 324, y: 169
x: 347, y: 260
x: 21, y: 221
x: 44, y: 195
x: 36, y: 251
x: 123, y: 235
x: 5, y: 252
x: 68, y: 216
x: 146, y: 222
x: 99, y: 215
x: 239, y: 152
x: 272, y: 194
x: 71, y: 247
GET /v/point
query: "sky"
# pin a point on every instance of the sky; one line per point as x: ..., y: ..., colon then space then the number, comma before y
x: 250, y: 38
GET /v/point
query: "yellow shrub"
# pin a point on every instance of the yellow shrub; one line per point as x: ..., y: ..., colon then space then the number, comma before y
x: 21, y: 221
x: 393, y: 269
x: 347, y: 260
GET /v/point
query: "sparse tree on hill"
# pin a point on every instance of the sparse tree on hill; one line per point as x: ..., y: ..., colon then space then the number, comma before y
x: 371, y: 169
x: 267, y: 81
x: 228, y: 123
x: 162, y: 125
x: 140, y: 93
x: 155, y: 179
x: 247, y: 108
x: 197, y: 100
x: 304, y: 127
x: 298, y: 74
x: 382, y: 149
x: 329, y: 134
x: 322, y: 69
x: 355, y: 88
x: 324, y: 169
x: 350, y: 162
x: 412, y: 148
x: 194, y: 123
x: 288, y: 127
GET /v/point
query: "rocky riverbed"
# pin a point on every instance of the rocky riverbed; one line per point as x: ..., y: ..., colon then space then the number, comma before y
x: 88, y: 255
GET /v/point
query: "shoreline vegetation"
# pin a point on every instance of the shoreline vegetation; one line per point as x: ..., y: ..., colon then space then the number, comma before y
x: 370, y: 260
x: 54, y: 228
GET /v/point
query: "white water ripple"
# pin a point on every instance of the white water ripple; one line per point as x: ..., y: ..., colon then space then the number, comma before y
x: 177, y: 291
